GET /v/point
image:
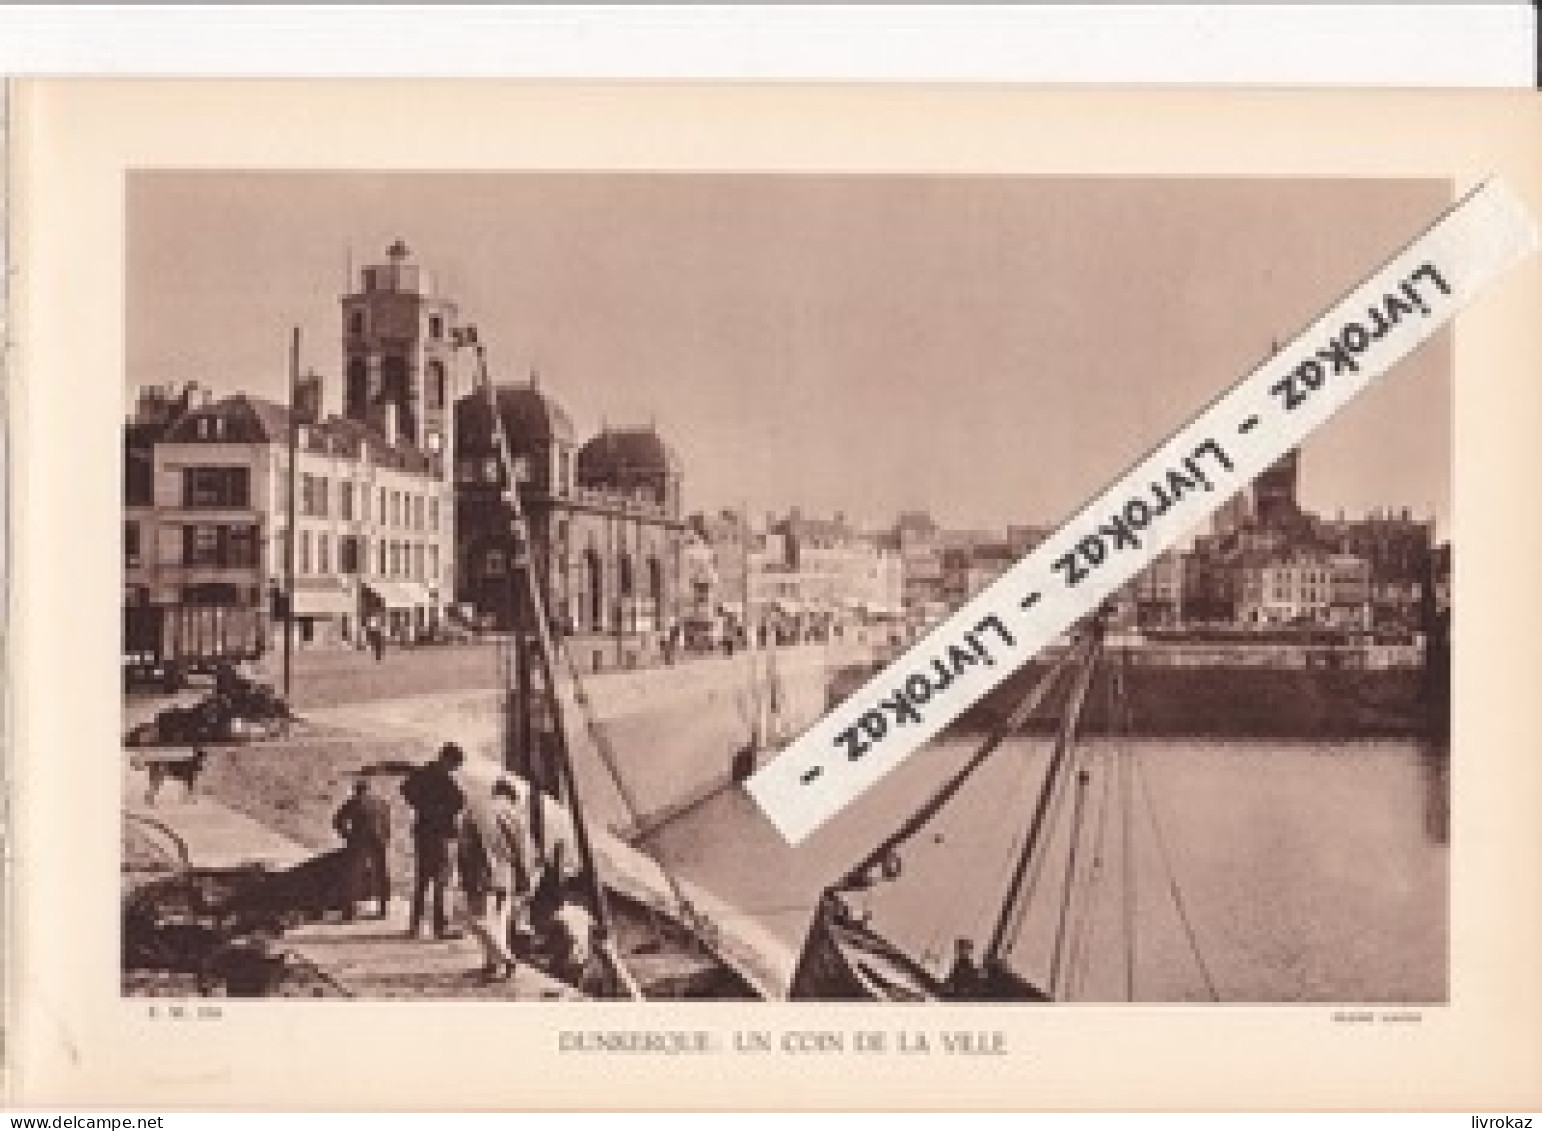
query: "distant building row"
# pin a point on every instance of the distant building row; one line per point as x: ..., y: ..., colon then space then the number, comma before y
x: 1264, y: 563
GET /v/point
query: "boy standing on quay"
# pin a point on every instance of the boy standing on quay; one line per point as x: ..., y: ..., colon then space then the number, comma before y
x: 496, y: 864
x: 436, y: 800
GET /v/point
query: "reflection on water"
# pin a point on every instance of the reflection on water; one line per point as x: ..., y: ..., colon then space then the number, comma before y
x: 1276, y: 871
x: 1435, y: 762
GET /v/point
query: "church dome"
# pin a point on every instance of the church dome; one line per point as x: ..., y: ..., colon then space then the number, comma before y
x: 531, y: 419
x: 621, y: 458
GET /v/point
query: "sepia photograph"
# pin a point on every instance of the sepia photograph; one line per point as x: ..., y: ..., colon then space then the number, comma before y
x: 485, y: 532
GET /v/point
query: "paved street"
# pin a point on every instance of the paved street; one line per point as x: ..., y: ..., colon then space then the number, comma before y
x: 332, y: 677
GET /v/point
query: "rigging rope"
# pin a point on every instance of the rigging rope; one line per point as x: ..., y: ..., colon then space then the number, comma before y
x: 1117, y: 691
x: 1000, y: 800
x: 608, y: 758
x: 1078, y: 812
x: 1174, y: 889
x: 1081, y: 951
x: 1062, y: 763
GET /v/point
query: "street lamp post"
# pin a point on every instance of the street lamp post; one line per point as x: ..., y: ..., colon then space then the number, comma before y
x: 289, y: 532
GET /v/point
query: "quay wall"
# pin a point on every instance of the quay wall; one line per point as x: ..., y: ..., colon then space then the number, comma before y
x: 1174, y: 697
x: 670, y: 732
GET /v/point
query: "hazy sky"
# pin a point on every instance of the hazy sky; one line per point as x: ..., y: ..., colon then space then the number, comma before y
x: 990, y: 349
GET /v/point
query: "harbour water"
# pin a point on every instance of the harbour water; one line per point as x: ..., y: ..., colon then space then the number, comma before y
x: 1302, y: 872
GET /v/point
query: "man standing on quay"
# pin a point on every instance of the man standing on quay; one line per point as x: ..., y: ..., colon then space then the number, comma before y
x: 436, y: 800
x: 364, y: 823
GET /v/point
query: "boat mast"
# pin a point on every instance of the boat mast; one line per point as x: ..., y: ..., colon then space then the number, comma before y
x: 751, y: 635
x: 1063, y: 741
x: 535, y: 586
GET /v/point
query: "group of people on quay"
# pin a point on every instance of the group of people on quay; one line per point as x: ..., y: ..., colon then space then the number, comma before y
x: 477, y: 840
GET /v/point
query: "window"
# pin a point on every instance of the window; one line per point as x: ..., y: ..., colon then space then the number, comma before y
x: 304, y: 565
x: 417, y: 512
x: 307, y: 493
x: 356, y: 395
x: 356, y: 322
x: 348, y: 554
x: 495, y: 563
x: 241, y: 549
x: 210, y: 487
x: 201, y: 545
x: 323, y: 554
x: 435, y: 326
x: 417, y: 562
x: 323, y: 489
x: 433, y: 515
x: 396, y: 558
x: 380, y: 548
x: 139, y: 480
x: 434, y: 394
x: 131, y: 543
x: 364, y: 503
x: 345, y: 501
x: 433, y: 563
x: 382, y: 518
x: 396, y: 508
x: 394, y: 390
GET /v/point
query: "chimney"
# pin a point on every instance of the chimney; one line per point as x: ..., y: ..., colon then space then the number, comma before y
x: 307, y: 398
x: 388, y: 423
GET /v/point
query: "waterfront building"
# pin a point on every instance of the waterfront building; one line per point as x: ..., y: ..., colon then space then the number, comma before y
x: 801, y: 577
x: 920, y: 550
x: 1440, y: 569
x: 207, y: 482
x: 1210, y: 584
x: 371, y: 516
x: 1397, y: 548
x: 811, y: 577
x: 698, y: 573
x: 955, y: 575
x: 156, y: 408
x: 1156, y: 592
x: 727, y: 539
x: 1021, y: 540
x: 875, y: 581
x: 1349, y: 605
x: 604, y: 519
x: 971, y: 565
x: 1292, y: 588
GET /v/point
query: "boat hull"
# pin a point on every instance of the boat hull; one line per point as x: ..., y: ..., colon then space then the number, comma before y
x: 843, y: 960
